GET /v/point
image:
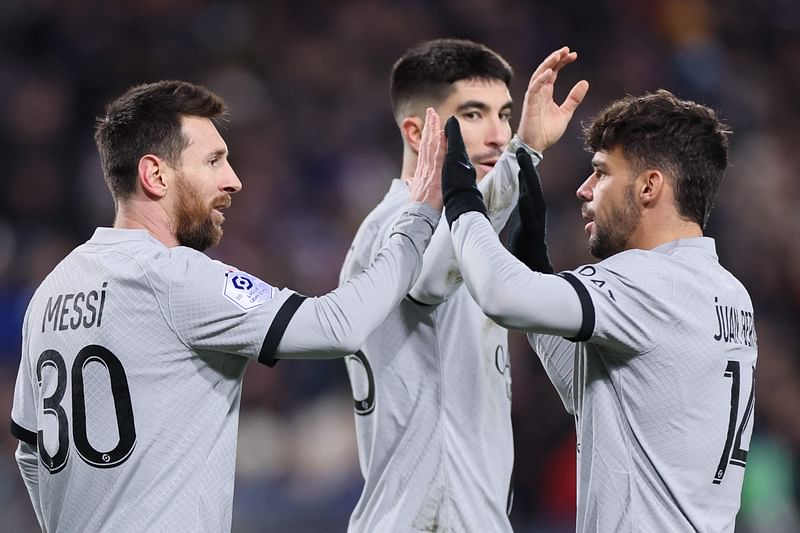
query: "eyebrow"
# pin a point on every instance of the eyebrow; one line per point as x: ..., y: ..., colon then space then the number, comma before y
x: 483, y: 106
x: 598, y: 163
x: 222, y: 152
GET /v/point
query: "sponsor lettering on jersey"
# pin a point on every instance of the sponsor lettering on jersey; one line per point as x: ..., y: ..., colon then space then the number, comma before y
x: 734, y: 325
x: 246, y: 290
x: 75, y: 310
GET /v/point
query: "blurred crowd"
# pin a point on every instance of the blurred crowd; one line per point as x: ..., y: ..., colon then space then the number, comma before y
x: 313, y: 140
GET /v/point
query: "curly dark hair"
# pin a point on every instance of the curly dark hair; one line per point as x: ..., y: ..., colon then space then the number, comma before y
x: 425, y: 74
x: 147, y: 120
x: 683, y: 139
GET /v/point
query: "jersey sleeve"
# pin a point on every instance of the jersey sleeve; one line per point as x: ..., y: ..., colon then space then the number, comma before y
x: 626, y: 301
x: 214, y: 307
x: 507, y: 291
x: 440, y: 276
x: 337, y: 323
x: 23, y: 413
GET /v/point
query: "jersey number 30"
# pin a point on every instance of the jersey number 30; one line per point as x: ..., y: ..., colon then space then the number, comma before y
x: 52, y: 406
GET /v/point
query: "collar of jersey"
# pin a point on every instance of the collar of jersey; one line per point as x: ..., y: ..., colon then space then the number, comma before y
x: 113, y: 235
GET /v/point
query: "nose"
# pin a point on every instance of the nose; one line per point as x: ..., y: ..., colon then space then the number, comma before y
x: 586, y: 190
x: 498, y: 133
x: 232, y: 184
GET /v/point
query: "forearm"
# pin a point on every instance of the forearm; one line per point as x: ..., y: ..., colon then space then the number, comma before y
x: 337, y: 324
x: 28, y: 462
x: 440, y: 276
x: 508, y: 292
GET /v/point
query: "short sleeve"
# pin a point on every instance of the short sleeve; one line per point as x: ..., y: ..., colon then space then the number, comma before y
x: 23, y: 413
x: 218, y: 308
x: 627, y: 301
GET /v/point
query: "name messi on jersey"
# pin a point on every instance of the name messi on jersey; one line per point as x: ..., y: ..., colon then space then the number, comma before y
x: 735, y: 325
x: 75, y: 310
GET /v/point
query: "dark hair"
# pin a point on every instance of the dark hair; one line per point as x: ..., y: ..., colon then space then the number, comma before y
x: 681, y: 138
x: 147, y: 120
x: 426, y: 72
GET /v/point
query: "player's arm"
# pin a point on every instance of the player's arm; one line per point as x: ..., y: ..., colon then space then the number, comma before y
x: 28, y: 462
x: 24, y: 422
x: 440, y: 276
x: 338, y: 323
x: 542, y: 123
x: 507, y: 290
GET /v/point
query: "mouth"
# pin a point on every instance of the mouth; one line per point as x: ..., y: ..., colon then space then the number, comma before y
x: 588, y: 216
x: 217, y: 210
x: 487, y: 164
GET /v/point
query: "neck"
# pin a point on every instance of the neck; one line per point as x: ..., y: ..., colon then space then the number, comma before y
x: 137, y: 214
x: 409, y: 163
x: 655, y: 230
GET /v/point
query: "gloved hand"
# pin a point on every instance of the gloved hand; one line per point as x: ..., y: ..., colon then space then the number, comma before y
x: 526, y: 234
x: 459, y: 190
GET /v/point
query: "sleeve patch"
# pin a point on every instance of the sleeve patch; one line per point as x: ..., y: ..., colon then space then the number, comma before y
x: 245, y: 290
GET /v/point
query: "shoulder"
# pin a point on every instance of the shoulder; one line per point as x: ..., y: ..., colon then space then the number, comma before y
x: 631, y: 268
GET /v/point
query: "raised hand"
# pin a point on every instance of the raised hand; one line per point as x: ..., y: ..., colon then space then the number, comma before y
x: 426, y: 185
x: 543, y: 121
x: 526, y: 234
x: 460, y: 192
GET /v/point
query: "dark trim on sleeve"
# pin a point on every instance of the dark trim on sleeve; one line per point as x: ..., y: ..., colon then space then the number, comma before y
x: 23, y: 434
x: 587, y: 324
x: 278, y: 328
x: 414, y: 300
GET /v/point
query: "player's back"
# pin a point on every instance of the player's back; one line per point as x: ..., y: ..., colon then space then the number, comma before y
x: 667, y: 386
x: 432, y: 391
x: 138, y: 430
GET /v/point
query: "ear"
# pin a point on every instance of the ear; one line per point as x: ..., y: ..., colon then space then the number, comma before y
x: 411, y: 130
x: 152, y: 177
x: 652, y: 186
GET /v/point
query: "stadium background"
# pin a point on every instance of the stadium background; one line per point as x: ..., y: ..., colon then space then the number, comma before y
x: 314, y: 142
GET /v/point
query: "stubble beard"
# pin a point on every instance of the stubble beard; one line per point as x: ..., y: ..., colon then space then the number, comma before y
x: 194, y: 226
x: 613, y: 235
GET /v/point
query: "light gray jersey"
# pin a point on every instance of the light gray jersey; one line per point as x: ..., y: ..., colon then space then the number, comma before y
x: 432, y: 392
x: 662, y: 389
x: 659, y: 374
x: 130, y: 378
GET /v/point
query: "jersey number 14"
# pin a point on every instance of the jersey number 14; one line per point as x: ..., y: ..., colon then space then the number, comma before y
x: 733, y: 453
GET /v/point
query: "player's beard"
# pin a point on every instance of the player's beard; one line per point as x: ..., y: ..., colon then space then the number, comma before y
x: 195, y: 227
x: 612, y: 235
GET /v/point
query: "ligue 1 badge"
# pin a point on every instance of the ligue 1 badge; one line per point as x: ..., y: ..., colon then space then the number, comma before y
x: 245, y: 290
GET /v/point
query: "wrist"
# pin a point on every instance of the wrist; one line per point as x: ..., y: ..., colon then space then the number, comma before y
x: 516, y: 143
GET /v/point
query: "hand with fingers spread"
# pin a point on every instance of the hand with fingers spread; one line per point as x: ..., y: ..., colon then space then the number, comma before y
x: 460, y: 192
x: 426, y: 185
x: 526, y: 234
x: 543, y: 121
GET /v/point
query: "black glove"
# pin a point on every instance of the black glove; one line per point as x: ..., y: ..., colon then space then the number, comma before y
x: 458, y: 177
x: 526, y: 233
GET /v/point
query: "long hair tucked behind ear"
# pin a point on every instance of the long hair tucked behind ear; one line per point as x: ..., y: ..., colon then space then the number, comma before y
x: 147, y: 120
x: 683, y: 139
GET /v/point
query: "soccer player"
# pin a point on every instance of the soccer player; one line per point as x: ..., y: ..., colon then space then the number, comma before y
x: 127, y: 398
x: 432, y: 384
x: 653, y: 349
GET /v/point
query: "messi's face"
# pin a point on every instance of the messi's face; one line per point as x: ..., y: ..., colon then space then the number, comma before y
x: 609, y: 204
x: 205, y: 182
